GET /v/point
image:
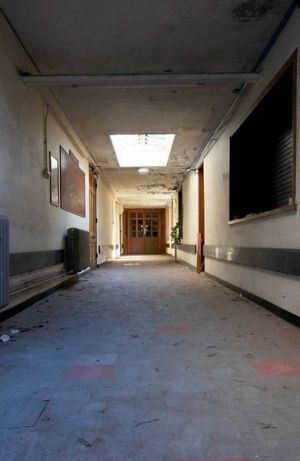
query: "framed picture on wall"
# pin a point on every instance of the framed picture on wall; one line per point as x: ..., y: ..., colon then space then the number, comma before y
x: 54, y: 180
x: 72, y: 184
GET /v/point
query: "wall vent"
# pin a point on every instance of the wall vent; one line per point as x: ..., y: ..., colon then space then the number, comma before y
x: 4, y: 261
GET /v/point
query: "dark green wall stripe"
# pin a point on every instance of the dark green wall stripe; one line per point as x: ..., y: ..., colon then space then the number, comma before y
x: 286, y: 261
x: 111, y: 247
x: 31, y: 261
x: 187, y: 248
x: 292, y: 318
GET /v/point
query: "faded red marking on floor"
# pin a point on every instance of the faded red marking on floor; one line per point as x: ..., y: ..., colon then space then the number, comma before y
x: 217, y: 459
x: 173, y: 330
x: 43, y: 332
x: 276, y: 367
x: 118, y: 310
x: 87, y: 372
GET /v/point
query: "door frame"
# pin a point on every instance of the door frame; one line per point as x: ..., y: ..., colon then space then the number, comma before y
x: 201, y: 222
x: 93, y: 219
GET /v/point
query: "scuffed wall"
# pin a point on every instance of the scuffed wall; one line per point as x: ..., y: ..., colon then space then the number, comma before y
x: 172, y: 212
x: 35, y: 225
x: 190, y: 218
x: 277, y: 231
x: 108, y: 229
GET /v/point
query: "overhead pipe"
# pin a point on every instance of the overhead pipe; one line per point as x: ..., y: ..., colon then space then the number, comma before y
x: 295, y: 4
x: 138, y: 80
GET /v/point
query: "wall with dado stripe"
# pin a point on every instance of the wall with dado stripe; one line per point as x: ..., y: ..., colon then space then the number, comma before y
x: 108, y: 228
x: 187, y: 248
x: 260, y: 255
x: 35, y: 225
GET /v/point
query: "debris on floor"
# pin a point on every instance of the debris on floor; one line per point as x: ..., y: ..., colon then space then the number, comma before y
x: 180, y: 376
x: 4, y: 338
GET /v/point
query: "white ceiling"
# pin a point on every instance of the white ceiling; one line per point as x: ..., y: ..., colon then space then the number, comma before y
x: 137, y: 36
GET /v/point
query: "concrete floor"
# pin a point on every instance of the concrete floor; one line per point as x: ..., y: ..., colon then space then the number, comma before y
x: 144, y: 360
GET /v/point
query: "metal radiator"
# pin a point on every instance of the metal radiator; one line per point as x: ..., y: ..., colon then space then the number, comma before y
x: 78, y: 250
x: 4, y: 261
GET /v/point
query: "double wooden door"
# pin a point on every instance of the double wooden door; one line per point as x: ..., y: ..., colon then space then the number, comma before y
x: 144, y: 231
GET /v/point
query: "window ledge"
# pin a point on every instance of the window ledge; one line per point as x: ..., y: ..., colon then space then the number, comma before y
x: 253, y: 217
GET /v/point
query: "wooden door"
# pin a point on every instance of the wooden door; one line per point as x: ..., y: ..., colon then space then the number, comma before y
x: 93, y: 221
x: 145, y: 231
x: 120, y: 234
x: 152, y: 229
x: 136, y: 232
x: 201, y: 234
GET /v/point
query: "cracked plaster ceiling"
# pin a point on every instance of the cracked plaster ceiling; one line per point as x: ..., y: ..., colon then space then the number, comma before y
x: 136, y: 36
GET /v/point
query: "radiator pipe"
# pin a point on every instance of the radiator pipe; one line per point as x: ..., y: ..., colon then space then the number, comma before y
x: 46, y: 171
x: 213, y: 138
x: 295, y: 4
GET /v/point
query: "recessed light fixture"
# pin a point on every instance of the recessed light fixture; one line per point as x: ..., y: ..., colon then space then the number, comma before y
x: 143, y: 170
x: 142, y: 150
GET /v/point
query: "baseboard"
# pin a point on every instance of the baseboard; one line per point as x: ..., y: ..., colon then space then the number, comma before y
x: 20, y: 302
x: 279, y: 311
x: 184, y: 263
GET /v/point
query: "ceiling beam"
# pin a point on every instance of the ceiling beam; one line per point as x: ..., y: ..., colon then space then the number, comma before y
x: 139, y: 81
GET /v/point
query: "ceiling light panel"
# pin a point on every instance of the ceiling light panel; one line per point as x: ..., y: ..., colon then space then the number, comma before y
x: 142, y: 150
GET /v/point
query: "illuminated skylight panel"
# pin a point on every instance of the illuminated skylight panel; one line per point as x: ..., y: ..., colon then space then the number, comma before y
x: 142, y: 150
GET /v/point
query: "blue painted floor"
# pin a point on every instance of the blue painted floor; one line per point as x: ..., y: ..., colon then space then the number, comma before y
x: 144, y: 360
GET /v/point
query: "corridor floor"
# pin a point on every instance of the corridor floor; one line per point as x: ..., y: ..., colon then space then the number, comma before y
x: 144, y: 360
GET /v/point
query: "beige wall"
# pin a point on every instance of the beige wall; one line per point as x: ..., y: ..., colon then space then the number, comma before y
x: 172, y: 211
x: 190, y: 216
x: 169, y: 224
x: 279, y: 231
x: 108, y: 211
x: 35, y: 225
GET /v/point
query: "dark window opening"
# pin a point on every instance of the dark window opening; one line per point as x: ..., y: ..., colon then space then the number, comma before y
x: 262, y: 153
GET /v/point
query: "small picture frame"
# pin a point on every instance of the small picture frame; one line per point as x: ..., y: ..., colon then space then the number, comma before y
x: 54, y: 180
